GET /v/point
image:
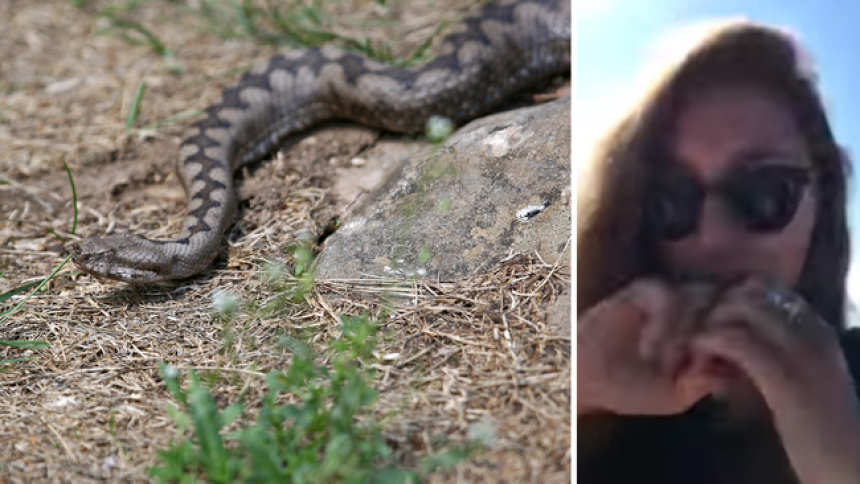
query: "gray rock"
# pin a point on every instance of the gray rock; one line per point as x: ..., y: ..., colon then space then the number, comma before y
x: 499, y: 185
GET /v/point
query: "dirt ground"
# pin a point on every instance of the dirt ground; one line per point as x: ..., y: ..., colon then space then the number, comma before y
x: 91, y: 408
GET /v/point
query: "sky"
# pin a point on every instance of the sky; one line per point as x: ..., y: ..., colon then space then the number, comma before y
x: 617, y: 41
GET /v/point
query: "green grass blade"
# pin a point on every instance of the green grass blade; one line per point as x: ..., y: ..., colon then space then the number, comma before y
x: 5, y: 315
x: 175, y: 118
x: 151, y: 40
x: 74, y: 199
x: 13, y: 360
x: 27, y: 345
x: 58, y: 236
x: 18, y: 290
x: 420, y: 54
x: 213, y: 455
x: 170, y: 375
x: 16, y: 360
x: 134, y: 110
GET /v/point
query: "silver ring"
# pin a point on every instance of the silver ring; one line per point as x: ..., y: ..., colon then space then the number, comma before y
x: 788, y: 304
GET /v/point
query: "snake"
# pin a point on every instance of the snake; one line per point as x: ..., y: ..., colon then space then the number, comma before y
x: 503, y: 48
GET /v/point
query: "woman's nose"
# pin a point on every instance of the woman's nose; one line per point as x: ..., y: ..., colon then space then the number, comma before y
x: 717, y: 231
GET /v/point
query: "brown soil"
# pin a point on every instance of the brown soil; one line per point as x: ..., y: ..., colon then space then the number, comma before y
x: 91, y: 408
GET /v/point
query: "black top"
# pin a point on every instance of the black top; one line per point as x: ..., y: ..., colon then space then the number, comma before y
x: 690, y: 448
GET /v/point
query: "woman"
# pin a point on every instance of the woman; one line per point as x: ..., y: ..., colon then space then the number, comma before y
x: 712, y: 257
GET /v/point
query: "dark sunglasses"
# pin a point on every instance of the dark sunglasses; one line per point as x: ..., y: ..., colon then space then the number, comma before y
x: 762, y: 198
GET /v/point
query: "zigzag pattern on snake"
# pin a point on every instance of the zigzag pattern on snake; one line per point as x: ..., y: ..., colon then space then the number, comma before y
x: 504, y: 48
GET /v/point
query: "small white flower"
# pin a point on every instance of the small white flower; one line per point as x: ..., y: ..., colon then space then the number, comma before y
x: 171, y: 371
x: 484, y: 432
x: 273, y: 272
x: 439, y: 128
x: 224, y: 302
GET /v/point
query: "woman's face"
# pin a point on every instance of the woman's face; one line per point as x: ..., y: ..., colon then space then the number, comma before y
x: 716, y: 133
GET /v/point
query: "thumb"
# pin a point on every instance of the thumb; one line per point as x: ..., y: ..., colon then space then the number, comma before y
x: 737, y: 345
x: 693, y: 384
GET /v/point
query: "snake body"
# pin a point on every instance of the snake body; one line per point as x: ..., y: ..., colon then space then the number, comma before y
x: 504, y: 48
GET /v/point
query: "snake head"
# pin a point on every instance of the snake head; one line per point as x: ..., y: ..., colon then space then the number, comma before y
x: 123, y: 257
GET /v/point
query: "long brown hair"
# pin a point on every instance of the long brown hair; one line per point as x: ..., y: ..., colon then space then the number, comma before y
x: 612, y: 246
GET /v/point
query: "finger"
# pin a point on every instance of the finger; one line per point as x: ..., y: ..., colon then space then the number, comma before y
x: 618, y: 315
x: 660, y: 304
x: 692, y: 387
x: 691, y: 383
x: 698, y: 297
x: 750, y: 304
x: 739, y: 345
x: 673, y: 315
x: 696, y: 301
x: 764, y: 323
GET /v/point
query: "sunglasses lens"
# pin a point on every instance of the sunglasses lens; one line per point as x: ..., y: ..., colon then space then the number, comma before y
x: 673, y: 211
x: 765, y: 199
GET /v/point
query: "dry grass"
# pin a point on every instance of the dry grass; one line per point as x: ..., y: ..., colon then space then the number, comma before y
x: 91, y: 408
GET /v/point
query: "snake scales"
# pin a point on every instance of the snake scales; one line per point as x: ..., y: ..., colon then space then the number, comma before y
x: 505, y: 47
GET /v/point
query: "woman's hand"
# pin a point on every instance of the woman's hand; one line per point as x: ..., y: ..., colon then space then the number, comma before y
x: 794, y: 360
x: 631, y: 348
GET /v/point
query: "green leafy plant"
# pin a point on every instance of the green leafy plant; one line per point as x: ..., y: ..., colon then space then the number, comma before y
x: 326, y: 436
